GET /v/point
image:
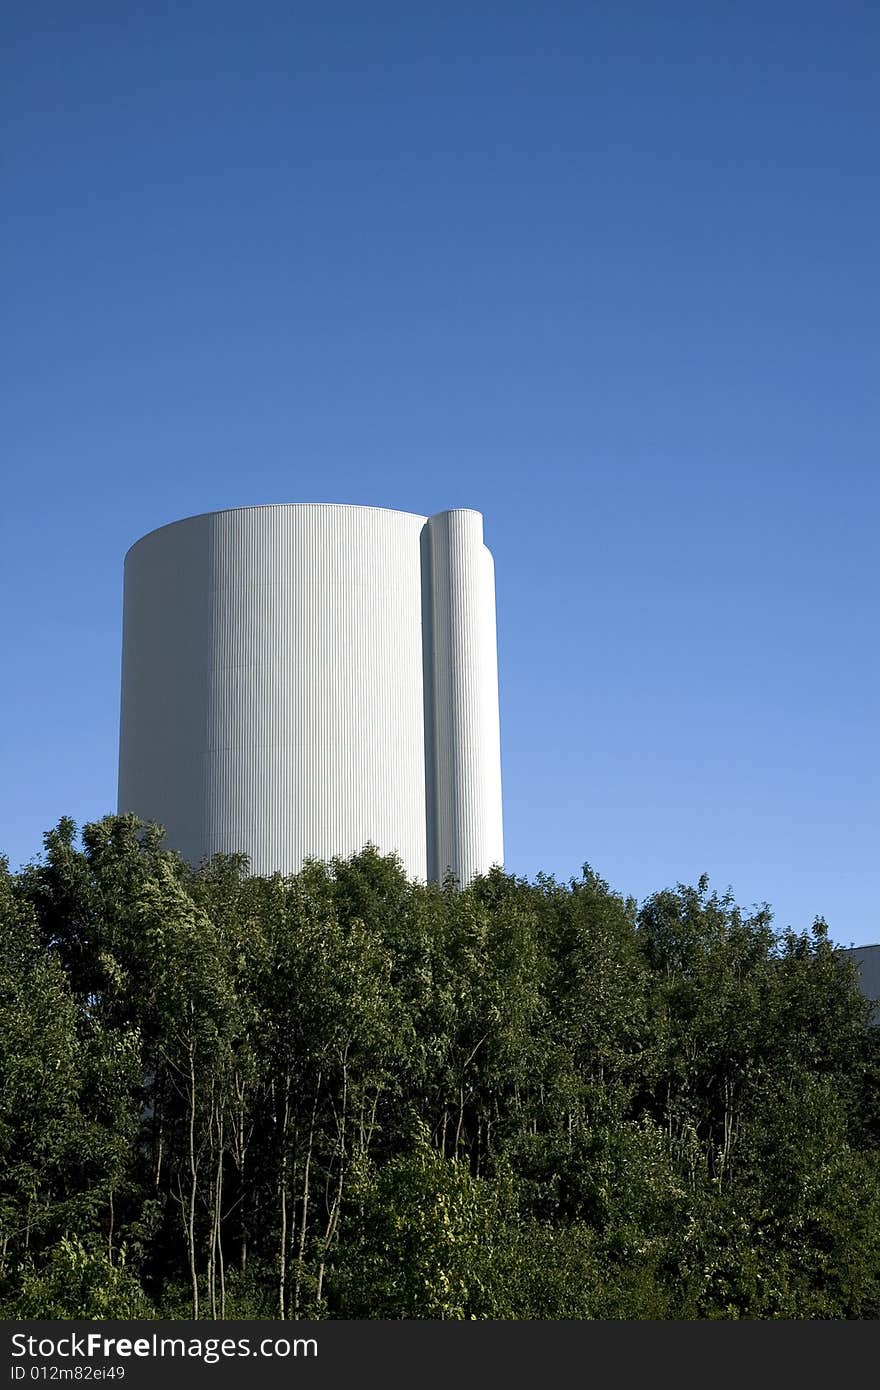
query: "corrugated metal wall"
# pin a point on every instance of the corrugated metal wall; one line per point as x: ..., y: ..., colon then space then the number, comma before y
x: 868, y: 960
x: 466, y: 832
x: 298, y: 680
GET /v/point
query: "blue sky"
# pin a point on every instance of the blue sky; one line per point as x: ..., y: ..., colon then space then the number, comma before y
x: 606, y: 272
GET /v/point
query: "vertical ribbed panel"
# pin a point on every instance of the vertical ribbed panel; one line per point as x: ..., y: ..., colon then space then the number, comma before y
x: 166, y: 662
x: 467, y: 835
x: 492, y: 848
x: 284, y: 680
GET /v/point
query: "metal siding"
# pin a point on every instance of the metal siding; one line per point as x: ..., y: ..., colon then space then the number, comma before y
x: 166, y: 655
x: 492, y: 847
x: 281, y: 671
x: 868, y: 960
x: 465, y: 689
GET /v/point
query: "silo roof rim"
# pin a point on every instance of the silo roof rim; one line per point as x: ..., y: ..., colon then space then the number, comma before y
x: 276, y: 506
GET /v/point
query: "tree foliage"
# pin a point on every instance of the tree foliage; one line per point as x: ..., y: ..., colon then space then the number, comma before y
x: 343, y: 1094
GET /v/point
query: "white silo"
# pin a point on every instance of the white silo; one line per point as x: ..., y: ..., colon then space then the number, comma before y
x: 301, y: 679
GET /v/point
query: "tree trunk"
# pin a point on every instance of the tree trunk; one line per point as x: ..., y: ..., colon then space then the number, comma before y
x: 337, y: 1201
x: 303, y: 1225
x: 193, y: 1171
x: 282, y: 1185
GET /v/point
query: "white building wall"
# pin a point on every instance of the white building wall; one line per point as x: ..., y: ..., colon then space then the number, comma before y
x: 467, y: 769
x: 283, y: 693
x: 867, y: 959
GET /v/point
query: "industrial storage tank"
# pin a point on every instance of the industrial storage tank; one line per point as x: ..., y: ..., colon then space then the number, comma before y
x: 867, y: 958
x: 299, y: 680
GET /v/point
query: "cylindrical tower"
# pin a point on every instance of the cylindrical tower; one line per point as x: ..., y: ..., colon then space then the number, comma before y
x: 289, y: 690
x: 467, y: 764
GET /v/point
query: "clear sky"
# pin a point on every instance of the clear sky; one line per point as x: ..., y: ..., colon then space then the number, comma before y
x: 607, y: 272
